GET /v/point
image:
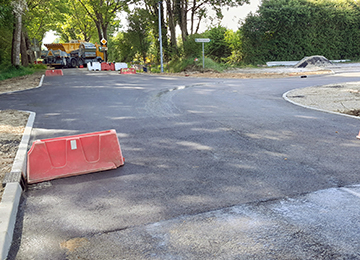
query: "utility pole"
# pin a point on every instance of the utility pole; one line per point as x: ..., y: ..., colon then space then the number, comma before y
x: 160, y: 39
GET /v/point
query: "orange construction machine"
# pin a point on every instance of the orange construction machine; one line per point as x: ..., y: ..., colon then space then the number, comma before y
x: 72, y: 54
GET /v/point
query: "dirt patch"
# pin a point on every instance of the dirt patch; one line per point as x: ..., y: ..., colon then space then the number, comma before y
x: 20, y: 83
x: 317, y: 60
x: 13, y: 122
x: 74, y: 243
x: 12, y: 125
x: 243, y: 75
x: 352, y: 112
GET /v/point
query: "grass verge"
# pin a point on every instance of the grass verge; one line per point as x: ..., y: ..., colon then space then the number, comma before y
x: 17, y: 71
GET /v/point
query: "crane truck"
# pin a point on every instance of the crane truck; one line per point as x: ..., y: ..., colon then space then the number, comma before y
x: 72, y: 54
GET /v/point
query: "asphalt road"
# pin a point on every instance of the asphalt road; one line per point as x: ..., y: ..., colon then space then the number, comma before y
x: 192, y: 146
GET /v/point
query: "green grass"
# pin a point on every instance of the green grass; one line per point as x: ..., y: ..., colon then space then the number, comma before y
x: 179, y: 65
x: 18, y: 71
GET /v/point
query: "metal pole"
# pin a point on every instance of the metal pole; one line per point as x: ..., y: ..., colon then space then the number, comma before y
x: 203, y: 55
x: 160, y: 39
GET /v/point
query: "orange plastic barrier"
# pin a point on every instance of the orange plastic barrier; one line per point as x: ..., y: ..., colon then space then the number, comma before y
x: 128, y: 71
x: 107, y: 66
x: 54, y: 73
x: 73, y: 155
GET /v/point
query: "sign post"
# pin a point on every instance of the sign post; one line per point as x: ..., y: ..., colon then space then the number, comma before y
x: 203, y: 40
x: 104, y: 42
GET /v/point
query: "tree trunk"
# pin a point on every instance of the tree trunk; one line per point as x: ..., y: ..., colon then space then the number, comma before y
x: 164, y: 37
x: 193, y: 9
x: 31, y: 54
x: 172, y: 25
x: 17, y: 39
x: 24, y: 51
x: 183, y: 20
x: 98, y: 27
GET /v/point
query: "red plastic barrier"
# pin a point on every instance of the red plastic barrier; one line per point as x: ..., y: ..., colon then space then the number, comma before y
x: 54, y: 73
x: 73, y: 155
x: 107, y: 66
x: 128, y: 71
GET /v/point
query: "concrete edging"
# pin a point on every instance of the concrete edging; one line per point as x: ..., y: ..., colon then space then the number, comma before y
x: 11, y: 197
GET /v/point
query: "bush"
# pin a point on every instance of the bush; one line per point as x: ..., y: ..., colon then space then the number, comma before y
x: 192, y: 48
x: 180, y: 65
x: 217, y: 49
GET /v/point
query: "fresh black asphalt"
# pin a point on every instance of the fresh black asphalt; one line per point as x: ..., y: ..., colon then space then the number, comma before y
x: 191, y: 146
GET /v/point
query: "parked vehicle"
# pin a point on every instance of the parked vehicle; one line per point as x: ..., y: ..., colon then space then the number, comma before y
x: 72, y: 54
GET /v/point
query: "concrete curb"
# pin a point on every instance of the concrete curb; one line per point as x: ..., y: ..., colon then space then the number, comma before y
x: 11, y: 197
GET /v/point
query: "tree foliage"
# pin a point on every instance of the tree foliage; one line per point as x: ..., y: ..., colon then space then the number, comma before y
x: 76, y: 24
x: 103, y: 13
x: 6, y: 28
x: 135, y: 41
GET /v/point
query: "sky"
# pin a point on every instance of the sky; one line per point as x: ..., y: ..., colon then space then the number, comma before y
x: 231, y: 19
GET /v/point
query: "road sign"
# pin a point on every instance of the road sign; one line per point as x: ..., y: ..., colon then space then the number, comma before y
x: 202, y: 40
x: 103, y: 41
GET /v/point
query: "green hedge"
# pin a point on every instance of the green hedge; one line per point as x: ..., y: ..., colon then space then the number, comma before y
x: 292, y: 29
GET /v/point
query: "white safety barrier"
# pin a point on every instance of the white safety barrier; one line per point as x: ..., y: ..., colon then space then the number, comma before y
x: 94, y: 66
x: 120, y: 65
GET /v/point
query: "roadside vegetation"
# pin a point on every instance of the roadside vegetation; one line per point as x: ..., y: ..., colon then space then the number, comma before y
x: 17, y: 71
x: 279, y: 30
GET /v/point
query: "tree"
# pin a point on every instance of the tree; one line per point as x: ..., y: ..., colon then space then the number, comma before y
x: 152, y: 7
x: 6, y: 28
x: 18, y: 8
x: 103, y: 13
x: 138, y: 32
x: 198, y: 9
x: 121, y: 48
x: 76, y: 24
